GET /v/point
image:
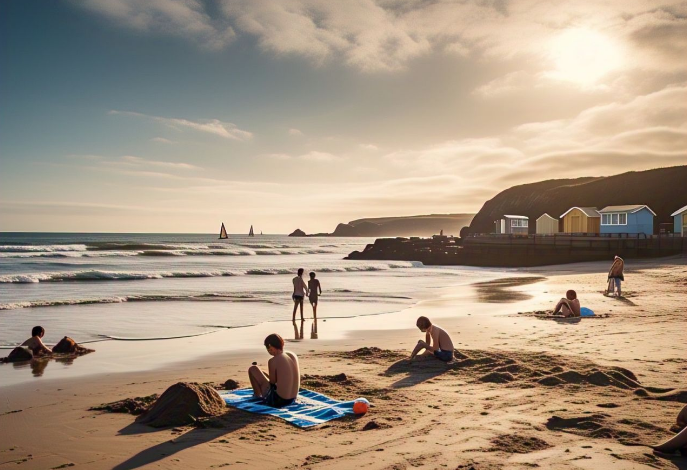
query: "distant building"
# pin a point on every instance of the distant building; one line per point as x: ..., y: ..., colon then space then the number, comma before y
x: 581, y: 220
x: 547, y: 224
x: 634, y: 219
x: 515, y: 224
x: 680, y: 221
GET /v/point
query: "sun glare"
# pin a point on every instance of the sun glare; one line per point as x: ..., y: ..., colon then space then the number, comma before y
x: 584, y: 56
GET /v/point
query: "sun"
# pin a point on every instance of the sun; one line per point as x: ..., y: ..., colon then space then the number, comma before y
x: 584, y: 56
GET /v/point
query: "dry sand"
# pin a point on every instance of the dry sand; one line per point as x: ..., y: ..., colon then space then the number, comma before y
x: 522, y: 392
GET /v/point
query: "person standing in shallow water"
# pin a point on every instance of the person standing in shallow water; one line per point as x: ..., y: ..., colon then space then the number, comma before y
x: 616, y: 276
x: 315, y: 291
x: 300, y: 289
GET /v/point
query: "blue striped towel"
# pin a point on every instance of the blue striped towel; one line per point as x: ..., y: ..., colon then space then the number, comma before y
x: 310, y: 409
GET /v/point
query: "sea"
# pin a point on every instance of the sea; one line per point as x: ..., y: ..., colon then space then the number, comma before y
x: 109, y: 287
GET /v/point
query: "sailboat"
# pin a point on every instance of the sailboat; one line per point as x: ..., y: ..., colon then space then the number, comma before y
x: 222, y: 232
x: 251, y: 234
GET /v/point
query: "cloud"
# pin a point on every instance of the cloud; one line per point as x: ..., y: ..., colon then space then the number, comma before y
x: 162, y: 140
x: 173, y: 165
x: 216, y: 127
x: 184, y: 18
x: 369, y: 147
x: 295, y: 132
x: 312, y: 156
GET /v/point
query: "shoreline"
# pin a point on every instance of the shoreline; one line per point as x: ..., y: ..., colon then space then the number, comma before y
x: 478, y: 412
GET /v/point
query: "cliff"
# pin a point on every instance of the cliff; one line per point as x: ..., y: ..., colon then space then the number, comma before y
x: 662, y: 189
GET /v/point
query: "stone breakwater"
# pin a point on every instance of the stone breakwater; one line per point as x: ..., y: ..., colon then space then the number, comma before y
x: 517, y: 251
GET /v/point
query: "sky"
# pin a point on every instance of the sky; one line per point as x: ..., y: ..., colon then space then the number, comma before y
x: 177, y: 115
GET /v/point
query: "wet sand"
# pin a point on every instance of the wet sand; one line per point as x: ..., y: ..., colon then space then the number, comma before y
x: 521, y: 392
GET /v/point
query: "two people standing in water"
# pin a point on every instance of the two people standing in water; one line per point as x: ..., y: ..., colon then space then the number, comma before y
x: 312, y: 289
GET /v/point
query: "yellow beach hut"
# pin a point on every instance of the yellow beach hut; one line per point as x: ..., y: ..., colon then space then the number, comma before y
x: 581, y: 220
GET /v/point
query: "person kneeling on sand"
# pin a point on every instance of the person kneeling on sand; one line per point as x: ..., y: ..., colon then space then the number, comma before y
x: 279, y: 387
x: 35, y: 344
x: 437, y: 341
x: 568, y: 306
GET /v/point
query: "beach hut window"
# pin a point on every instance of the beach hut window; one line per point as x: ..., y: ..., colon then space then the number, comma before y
x: 614, y: 219
x: 519, y: 223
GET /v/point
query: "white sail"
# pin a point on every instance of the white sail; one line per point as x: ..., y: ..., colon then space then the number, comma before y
x: 223, y: 232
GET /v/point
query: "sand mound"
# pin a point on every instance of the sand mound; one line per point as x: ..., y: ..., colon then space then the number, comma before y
x: 18, y: 354
x: 497, y: 377
x: 134, y: 406
x: 679, y: 396
x: 516, y: 444
x: 373, y: 354
x: 183, y: 403
x: 601, y: 426
x: 69, y: 346
x: 230, y: 384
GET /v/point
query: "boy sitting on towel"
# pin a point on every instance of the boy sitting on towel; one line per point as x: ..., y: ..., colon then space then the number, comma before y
x: 569, y: 306
x: 437, y: 341
x: 35, y: 344
x: 279, y: 387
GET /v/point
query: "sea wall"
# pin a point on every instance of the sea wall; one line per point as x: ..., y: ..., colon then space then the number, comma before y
x: 520, y: 251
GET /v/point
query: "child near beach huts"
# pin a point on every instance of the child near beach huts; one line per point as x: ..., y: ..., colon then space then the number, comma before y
x: 437, y: 342
x: 569, y: 306
x: 315, y: 291
x: 615, y: 276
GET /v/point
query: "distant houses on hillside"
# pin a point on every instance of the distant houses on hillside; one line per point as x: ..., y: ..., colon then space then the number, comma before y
x: 634, y: 219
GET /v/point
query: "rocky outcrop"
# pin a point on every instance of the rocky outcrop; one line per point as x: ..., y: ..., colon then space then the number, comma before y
x: 297, y: 233
x: 183, y: 403
x: 18, y: 354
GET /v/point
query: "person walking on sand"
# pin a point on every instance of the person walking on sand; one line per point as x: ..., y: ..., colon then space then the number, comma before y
x: 300, y: 289
x: 615, y: 276
x: 279, y: 386
x: 35, y: 343
x: 568, y: 306
x: 437, y: 341
x: 314, y: 287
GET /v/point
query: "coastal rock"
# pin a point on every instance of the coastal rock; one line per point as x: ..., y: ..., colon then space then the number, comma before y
x: 19, y: 354
x: 66, y: 345
x: 231, y: 384
x: 183, y: 403
x: 297, y: 233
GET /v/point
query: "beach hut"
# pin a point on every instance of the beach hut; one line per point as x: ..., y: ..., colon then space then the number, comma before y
x: 515, y: 224
x: 547, y: 224
x: 633, y: 219
x: 581, y: 220
x: 680, y: 221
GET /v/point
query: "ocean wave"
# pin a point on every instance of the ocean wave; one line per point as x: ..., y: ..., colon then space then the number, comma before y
x: 41, y: 248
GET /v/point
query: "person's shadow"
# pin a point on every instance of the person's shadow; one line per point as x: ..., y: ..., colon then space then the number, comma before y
x: 420, y: 369
x: 232, y: 421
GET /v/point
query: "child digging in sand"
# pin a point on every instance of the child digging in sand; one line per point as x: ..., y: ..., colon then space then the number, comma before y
x: 568, y: 306
x: 437, y: 341
x: 35, y: 344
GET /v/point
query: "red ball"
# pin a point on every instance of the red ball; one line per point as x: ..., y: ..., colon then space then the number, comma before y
x: 360, y: 407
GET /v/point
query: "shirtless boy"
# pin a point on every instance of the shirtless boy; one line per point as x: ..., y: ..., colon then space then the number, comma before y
x: 35, y: 344
x: 437, y: 341
x: 300, y: 289
x: 569, y: 306
x: 279, y: 387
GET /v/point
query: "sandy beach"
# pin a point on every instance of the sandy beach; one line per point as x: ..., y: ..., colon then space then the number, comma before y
x: 522, y: 392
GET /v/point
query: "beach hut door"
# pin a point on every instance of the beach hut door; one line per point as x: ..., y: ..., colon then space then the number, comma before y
x: 576, y: 224
x: 503, y: 226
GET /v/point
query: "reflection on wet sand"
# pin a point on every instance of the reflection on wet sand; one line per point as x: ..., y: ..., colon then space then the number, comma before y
x: 38, y: 365
x: 313, y: 330
x: 299, y: 330
x: 298, y: 335
x: 497, y: 291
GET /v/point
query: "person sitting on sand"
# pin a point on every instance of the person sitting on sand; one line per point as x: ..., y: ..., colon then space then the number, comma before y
x: 35, y: 344
x: 315, y: 291
x: 299, y: 291
x: 615, y: 276
x: 437, y: 341
x: 568, y: 306
x: 279, y: 387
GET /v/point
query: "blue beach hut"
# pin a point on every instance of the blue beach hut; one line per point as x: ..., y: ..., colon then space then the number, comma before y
x: 680, y: 221
x: 633, y: 219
